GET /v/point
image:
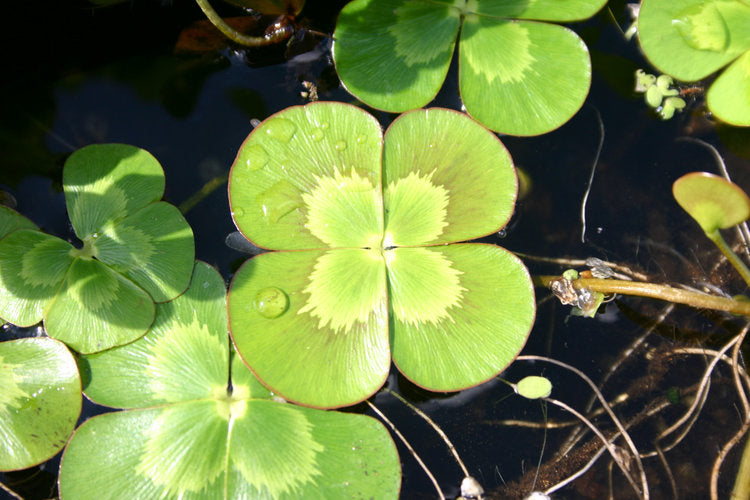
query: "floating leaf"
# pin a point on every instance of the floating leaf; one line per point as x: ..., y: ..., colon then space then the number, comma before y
x: 39, y: 403
x: 218, y: 440
x: 690, y: 39
x: 10, y: 221
x: 714, y: 202
x: 451, y: 316
x: 136, y: 250
x: 534, y: 387
x: 516, y: 75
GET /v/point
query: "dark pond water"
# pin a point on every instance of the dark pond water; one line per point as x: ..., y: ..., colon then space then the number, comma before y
x: 76, y: 75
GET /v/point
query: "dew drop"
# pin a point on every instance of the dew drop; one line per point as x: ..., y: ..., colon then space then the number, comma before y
x: 361, y: 139
x: 238, y: 212
x: 317, y: 134
x: 254, y: 157
x: 280, y: 129
x: 279, y: 200
x: 271, y: 302
x: 324, y: 125
x: 340, y: 145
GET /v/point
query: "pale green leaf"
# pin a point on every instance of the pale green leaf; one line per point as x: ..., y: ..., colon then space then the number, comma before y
x: 729, y: 96
x: 178, y: 449
x: 534, y: 387
x: 96, y: 309
x: 714, y: 202
x: 481, y: 333
x: 39, y: 403
x: 394, y: 54
x: 337, y: 311
x: 423, y: 286
x: 153, y: 247
x: 267, y: 450
x: 436, y: 155
x: 690, y: 39
x: 183, y: 356
x: 32, y: 269
x: 543, y: 10
x: 306, y: 163
x: 106, y: 182
x: 522, y: 77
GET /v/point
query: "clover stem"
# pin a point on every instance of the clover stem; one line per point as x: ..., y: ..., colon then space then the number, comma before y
x: 652, y: 290
x: 732, y: 257
x: 228, y: 31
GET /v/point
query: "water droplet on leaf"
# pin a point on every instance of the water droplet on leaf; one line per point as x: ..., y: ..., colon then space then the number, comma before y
x: 278, y: 200
x: 340, y: 145
x: 238, y: 212
x: 280, y: 129
x: 254, y: 157
x: 361, y: 139
x: 317, y: 134
x: 271, y: 302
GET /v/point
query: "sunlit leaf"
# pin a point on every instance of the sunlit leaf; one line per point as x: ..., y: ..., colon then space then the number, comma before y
x: 517, y: 75
x: 39, y: 403
x: 190, y: 435
x: 317, y: 325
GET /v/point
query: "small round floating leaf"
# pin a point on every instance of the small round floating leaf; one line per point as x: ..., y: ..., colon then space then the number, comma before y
x: 271, y: 302
x: 39, y: 403
x: 384, y: 56
x: 714, y: 202
x: 534, y: 387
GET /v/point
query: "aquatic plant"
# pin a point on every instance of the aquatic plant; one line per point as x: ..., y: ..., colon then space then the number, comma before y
x: 658, y: 93
x: 200, y: 425
x: 136, y: 250
x: 367, y: 265
x: 691, y: 39
x: 518, y: 74
x: 40, y: 401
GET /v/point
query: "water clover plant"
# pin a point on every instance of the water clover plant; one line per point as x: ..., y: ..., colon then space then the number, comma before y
x: 691, y: 39
x: 200, y: 426
x: 518, y: 74
x: 136, y: 250
x: 367, y: 265
x: 715, y: 203
x: 40, y: 400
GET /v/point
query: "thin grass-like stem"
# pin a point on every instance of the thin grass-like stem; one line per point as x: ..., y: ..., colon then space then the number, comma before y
x: 605, y: 405
x: 408, y: 447
x: 435, y: 427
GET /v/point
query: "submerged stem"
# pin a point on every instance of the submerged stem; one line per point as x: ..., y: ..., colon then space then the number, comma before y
x: 228, y: 31
x: 732, y: 257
